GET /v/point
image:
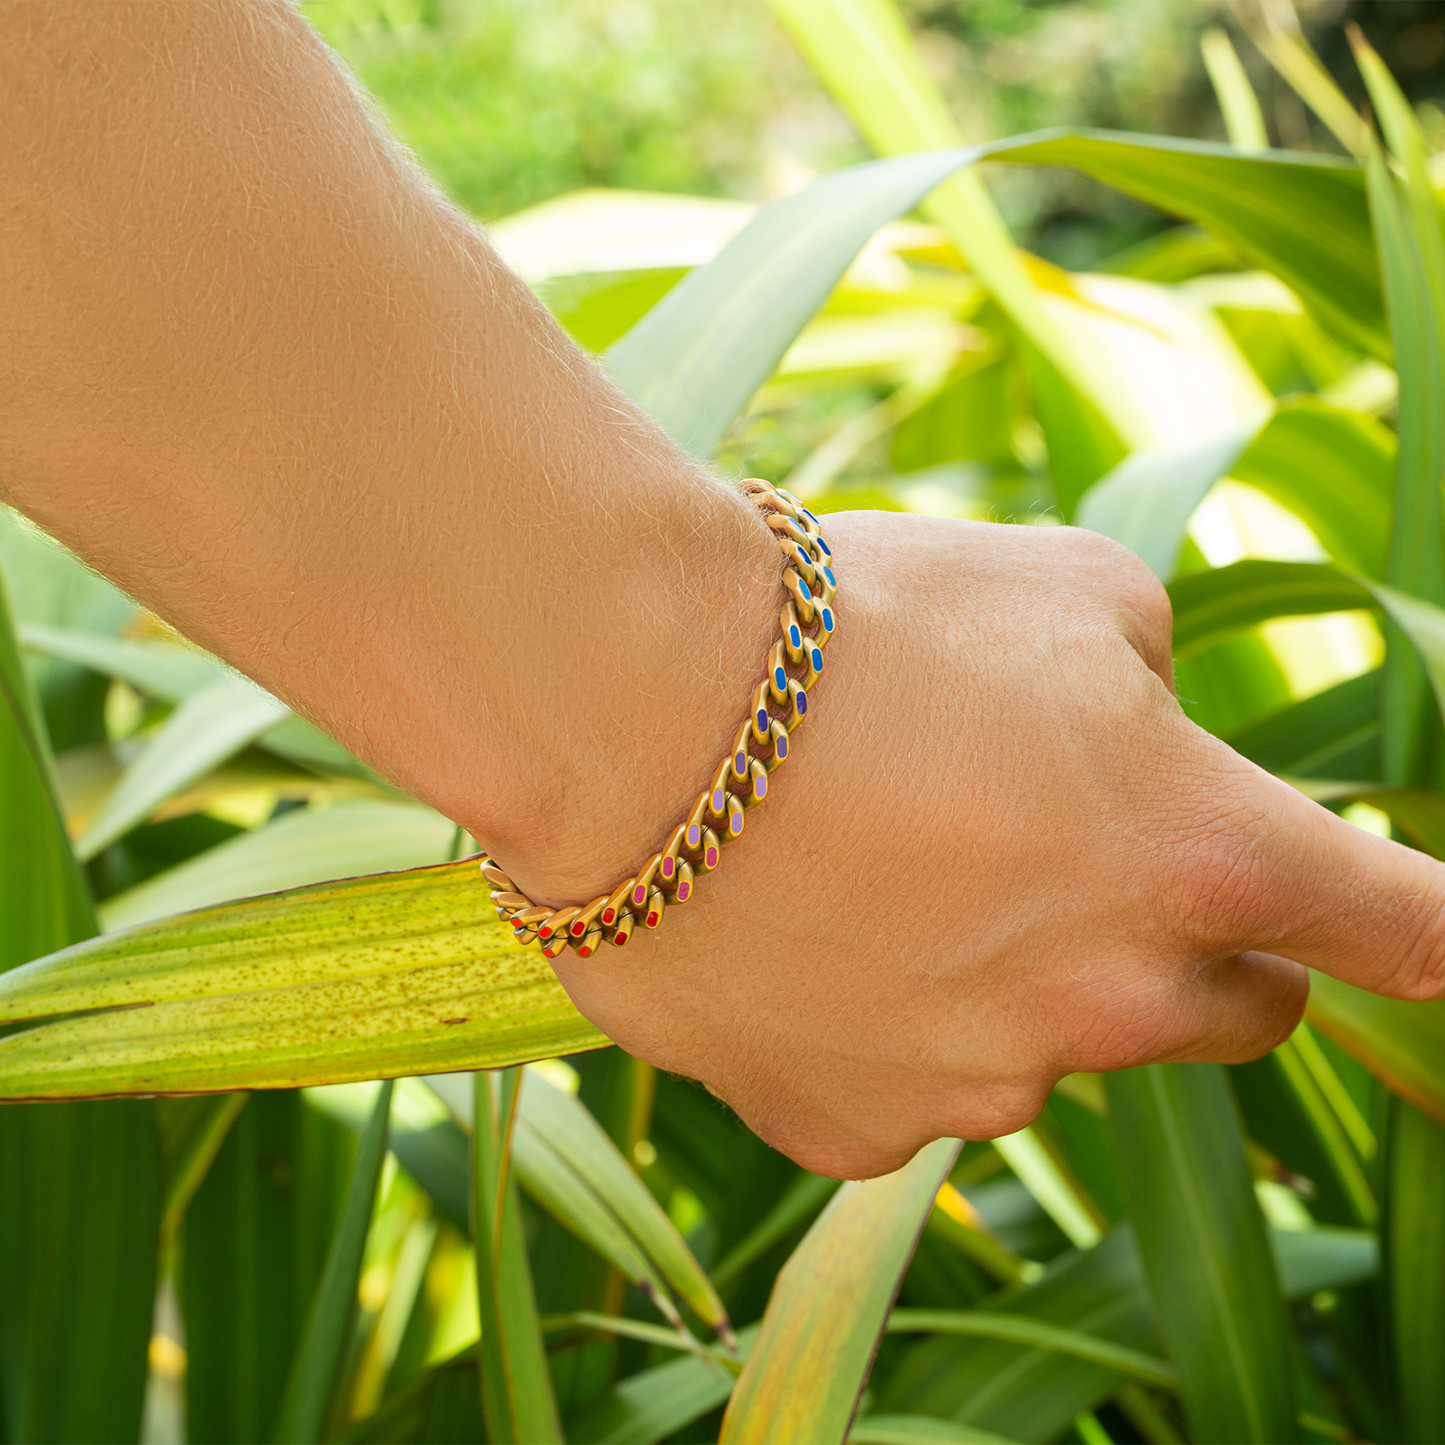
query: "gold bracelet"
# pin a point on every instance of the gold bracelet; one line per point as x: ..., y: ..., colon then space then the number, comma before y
x: 695, y: 846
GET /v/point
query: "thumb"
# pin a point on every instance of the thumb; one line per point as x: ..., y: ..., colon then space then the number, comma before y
x: 1282, y: 875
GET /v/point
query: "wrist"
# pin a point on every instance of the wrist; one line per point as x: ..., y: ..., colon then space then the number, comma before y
x: 644, y: 694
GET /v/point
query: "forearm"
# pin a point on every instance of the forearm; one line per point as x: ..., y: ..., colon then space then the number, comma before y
x: 256, y: 370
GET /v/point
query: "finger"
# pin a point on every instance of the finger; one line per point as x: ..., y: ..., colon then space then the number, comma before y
x: 1273, y: 871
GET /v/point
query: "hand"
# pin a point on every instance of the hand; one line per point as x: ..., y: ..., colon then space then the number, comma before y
x: 1000, y: 853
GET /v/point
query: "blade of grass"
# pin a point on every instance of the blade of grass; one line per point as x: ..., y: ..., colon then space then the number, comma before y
x: 192, y: 1132
x: 807, y: 1370
x: 1043, y: 1174
x: 920, y: 1430
x: 312, y: 1379
x: 1024, y: 1330
x: 516, y: 1386
x: 1238, y: 104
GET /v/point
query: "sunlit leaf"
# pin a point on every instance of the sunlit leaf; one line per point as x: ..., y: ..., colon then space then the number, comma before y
x: 829, y: 1306
x: 396, y: 974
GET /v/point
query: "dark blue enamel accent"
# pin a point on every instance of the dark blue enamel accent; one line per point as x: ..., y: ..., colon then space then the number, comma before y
x: 762, y: 719
x: 740, y: 765
x: 810, y: 516
x: 827, y: 550
x: 802, y: 702
x: 780, y: 746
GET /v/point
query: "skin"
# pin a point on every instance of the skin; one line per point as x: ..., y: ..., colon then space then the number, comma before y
x: 253, y: 368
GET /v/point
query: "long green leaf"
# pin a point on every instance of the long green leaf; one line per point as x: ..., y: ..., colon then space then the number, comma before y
x: 1210, y: 605
x: 312, y: 1379
x: 655, y: 1404
x: 1334, y: 734
x: 516, y: 1386
x: 1213, y: 1282
x: 206, y: 729
x: 919, y: 1430
x: 1025, y: 1330
x: 695, y: 358
x: 1243, y: 120
x: 403, y: 973
x: 78, y: 1279
x: 254, y: 1240
x: 807, y: 1370
x: 311, y: 845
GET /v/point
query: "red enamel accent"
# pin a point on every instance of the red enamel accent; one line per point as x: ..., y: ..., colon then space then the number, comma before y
x: 608, y: 914
x: 544, y: 933
x: 584, y: 951
x: 652, y: 919
x: 578, y: 929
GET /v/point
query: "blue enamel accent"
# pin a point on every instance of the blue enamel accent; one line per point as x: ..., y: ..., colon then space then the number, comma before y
x: 802, y: 702
x: 740, y: 765
x: 810, y: 516
x: 795, y: 637
x: 817, y: 655
x: 827, y: 619
x: 762, y: 719
x: 827, y: 550
x: 805, y: 590
x: 780, y: 679
x: 831, y: 579
x: 780, y: 746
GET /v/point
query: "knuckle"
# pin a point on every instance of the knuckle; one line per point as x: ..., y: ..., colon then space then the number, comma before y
x: 1216, y: 880
x: 1419, y: 974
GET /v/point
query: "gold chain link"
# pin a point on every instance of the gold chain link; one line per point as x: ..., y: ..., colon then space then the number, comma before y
x: 779, y: 705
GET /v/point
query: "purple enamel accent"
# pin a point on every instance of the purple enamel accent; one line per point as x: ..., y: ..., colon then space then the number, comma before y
x: 780, y: 746
x: 802, y: 702
x: 760, y: 786
x: 735, y: 824
x: 827, y: 619
x: 719, y: 800
x: 740, y: 765
x: 763, y: 719
x: 694, y: 836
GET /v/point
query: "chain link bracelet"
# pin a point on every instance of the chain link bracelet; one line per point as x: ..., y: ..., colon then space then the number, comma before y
x: 694, y: 847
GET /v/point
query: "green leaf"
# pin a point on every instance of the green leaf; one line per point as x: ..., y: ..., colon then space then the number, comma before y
x: 192, y: 1132
x: 803, y: 1199
x: 516, y: 1386
x: 1332, y: 468
x: 655, y: 1404
x: 403, y: 973
x: 254, y: 1242
x: 1402, y: 1044
x: 695, y: 359
x: 807, y: 1370
x: 1210, y: 605
x: 1415, y: 1248
x: 1024, y: 1330
x: 567, y: 1162
x: 1211, y: 1276
x: 206, y: 729
x: 1310, y: 1260
x: 311, y: 845
x: 1243, y: 121
x: 79, y: 1280
x: 309, y: 1387
x: 1334, y: 734
x: 919, y: 1430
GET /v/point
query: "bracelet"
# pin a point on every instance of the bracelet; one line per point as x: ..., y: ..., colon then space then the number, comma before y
x: 741, y: 782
